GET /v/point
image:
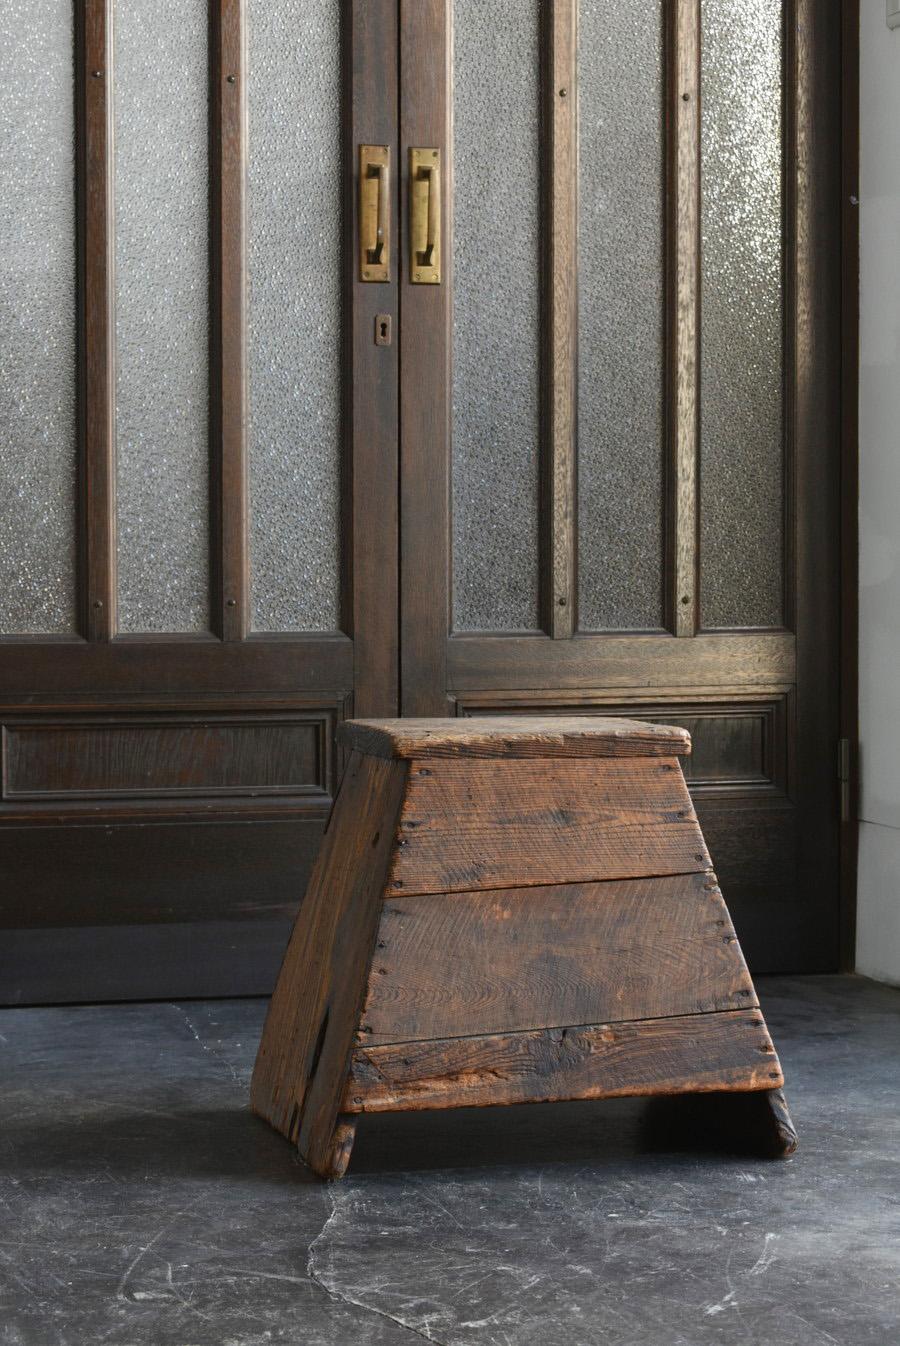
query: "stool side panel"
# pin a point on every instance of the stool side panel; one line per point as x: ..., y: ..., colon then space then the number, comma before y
x: 698, y: 1053
x: 546, y: 956
x: 470, y: 825
x: 515, y: 736
x: 304, y: 1054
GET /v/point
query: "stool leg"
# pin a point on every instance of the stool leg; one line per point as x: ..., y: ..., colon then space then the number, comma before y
x: 342, y: 1138
x: 783, y: 1135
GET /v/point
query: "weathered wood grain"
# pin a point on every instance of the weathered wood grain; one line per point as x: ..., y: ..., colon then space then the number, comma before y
x: 686, y: 1054
x: 522, y: 958
x: 498, y: 824
x: 308, y: 1035
x: 517, y: 736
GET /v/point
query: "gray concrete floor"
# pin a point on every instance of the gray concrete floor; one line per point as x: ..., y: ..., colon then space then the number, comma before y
x: 140, y: 1203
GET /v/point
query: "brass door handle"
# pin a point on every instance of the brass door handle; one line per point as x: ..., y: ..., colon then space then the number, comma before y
x: 374, y: 212
x: 425, y: 216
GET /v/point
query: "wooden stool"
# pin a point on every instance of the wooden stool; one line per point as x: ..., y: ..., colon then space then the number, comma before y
x: 509, y: 910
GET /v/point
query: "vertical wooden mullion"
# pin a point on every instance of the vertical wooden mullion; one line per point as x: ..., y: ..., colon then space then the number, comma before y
x: 683, y: 315
x: 229, y: 568
x: 425, y: 121
x: 97, y: 459
x: 371, y: 372
x: 559, y: 521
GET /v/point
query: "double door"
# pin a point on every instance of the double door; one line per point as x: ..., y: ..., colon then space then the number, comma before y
x: 404, y: 356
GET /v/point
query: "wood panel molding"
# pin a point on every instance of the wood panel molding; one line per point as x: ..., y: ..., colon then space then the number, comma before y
x: 96, y: 356
x: 560, y: 337
x: 229, y: 562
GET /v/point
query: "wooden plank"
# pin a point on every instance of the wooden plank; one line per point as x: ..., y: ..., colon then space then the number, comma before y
x: 515, y: 736
x: 425, y: 377
x: 523, y: 958
x: 97, y: 458
x: 499, y: 824
x: 495, y: 663
x: 308, y: 1035
x: 229, y: 568
x: 695, y: 1053
x: 371, y: 594
x: 683, y: 303
x: 560, y: 301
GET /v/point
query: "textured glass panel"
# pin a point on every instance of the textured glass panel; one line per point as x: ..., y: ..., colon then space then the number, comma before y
x: 496, y: 315
x: 741, y: 455
x: 620, y: 316
x: 295, y: 313
x: 37, y: 318
x: 162, y: 278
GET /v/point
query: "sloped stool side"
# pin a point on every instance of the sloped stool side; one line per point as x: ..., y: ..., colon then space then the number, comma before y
x: 305, y: 1051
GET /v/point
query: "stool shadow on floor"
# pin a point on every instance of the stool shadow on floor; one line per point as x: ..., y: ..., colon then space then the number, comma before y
x: 207, y: 1143
x: 612, y: 1132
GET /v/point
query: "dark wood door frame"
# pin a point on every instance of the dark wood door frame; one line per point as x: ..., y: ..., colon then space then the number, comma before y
x: 849, y: 475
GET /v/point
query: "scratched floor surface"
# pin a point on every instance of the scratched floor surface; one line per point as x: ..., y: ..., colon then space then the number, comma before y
x: 142, y: 1205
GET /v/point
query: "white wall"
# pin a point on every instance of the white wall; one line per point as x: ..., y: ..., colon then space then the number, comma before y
x: 878, y: 943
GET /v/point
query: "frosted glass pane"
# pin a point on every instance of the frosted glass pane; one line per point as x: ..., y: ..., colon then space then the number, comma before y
x: 162, y: 280
x: 295, y: 313
x: 620, y: 316
x: 741, y: 457
x: 37, y: 318
x: 496, y: 314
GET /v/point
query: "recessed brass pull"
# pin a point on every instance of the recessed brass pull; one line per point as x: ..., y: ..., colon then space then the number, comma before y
x: 374, y: 212
x: 425, y: 216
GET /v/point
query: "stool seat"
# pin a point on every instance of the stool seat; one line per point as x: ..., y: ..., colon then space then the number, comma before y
x: 509, y: 909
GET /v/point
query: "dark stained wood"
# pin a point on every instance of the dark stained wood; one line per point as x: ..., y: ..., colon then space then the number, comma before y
x: 425, y: 380
x: 814, y: 377
x: 688, y: 1054
x: 850, y: 472
x: 96, y: 247
x: 172, y: 960
x: 502, y: 823
x: 683, y: 253
x: 89, y: 759
x: 163, y: 665
x: 514, y: 736
x: 784, y: 1136
x: 371, y: 523
x: 229, y: 568
x: 606, y: 662
x: 244, y: 870
x: 522, y: 958
x: 560, y: 306
x: 309, y: 1030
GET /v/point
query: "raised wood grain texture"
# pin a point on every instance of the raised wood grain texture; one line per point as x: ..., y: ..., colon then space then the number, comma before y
x: 308, y: 1035
x: 229, y: 568
x: 560, y: 300
x: 96, y: 246
x: 523, y: 958
x: 683, y: 302
x: 687, y: 1054
x: 515, y: 736
x: 499, y: 824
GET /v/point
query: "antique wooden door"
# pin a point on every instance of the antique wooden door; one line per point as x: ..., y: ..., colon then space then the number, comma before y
x: 198, y: 522
x: 619, y: 406
x: 444, y: 356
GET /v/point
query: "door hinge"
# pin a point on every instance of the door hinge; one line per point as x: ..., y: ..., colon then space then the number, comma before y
x: 843, y: 774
